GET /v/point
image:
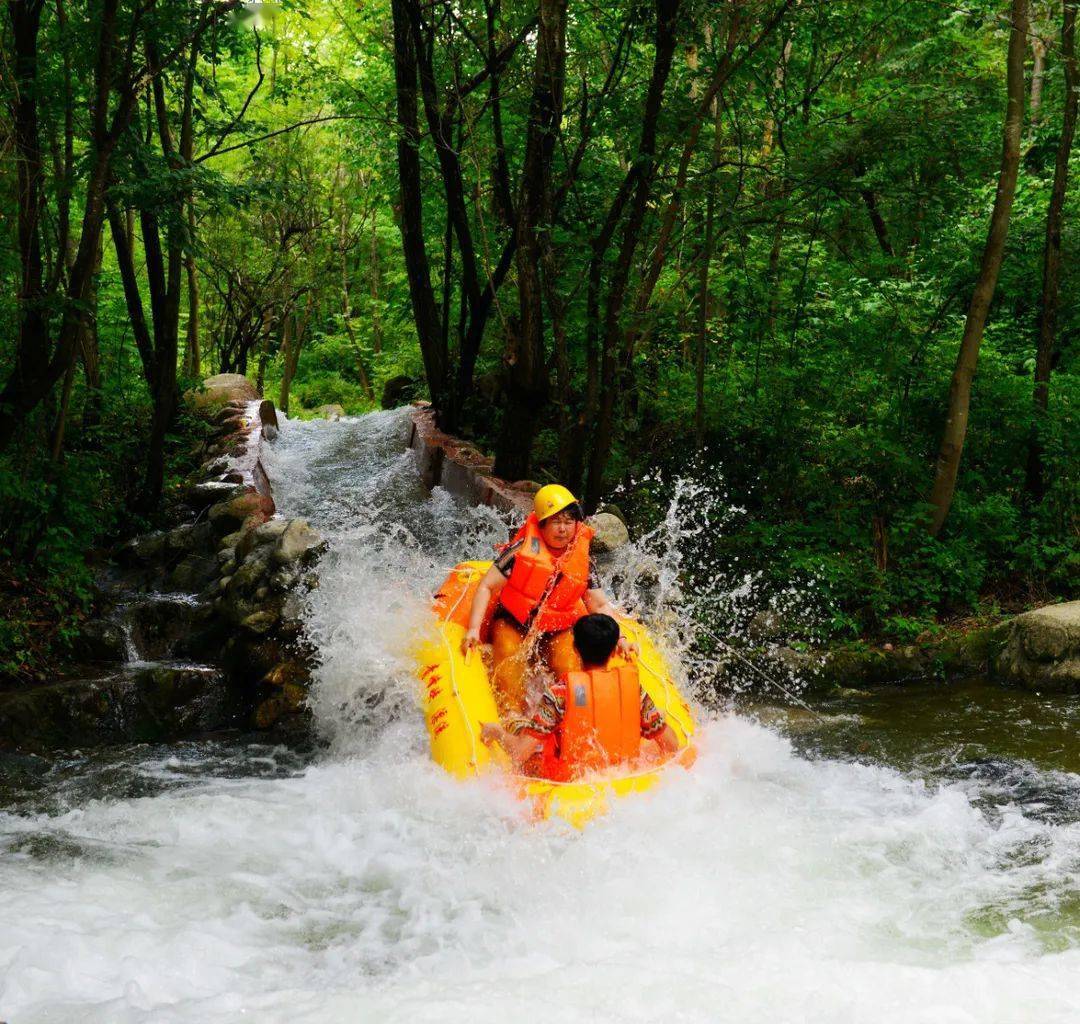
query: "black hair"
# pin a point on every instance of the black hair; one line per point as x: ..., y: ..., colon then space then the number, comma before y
x: 595, y: 637
x: 574, y: 509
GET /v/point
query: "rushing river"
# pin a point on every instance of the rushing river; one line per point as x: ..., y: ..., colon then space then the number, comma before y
x: 901, y: 857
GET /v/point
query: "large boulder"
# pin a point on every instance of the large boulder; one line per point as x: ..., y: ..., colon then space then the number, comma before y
x: 610, y: 532
x: 1042, y: 651
x: 222, y: 388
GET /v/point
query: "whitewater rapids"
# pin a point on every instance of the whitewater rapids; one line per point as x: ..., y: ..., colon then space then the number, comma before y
x: 365, y: 885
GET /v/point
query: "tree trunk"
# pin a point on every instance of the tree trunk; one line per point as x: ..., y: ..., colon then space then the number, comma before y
x: 374, y: 275
x: 192, y: 355
x: 956, y: 421
x: 1038, y: 73
x: 526, y: 391
x: 32, y: 346
x: 90, y: 353
x: 425, y: 310
x: 119, y: 228
x: 291, y: 345
x: 346, y: 307
x: 638, y: 185
x: 703, y: 289
x: 1049, y: 300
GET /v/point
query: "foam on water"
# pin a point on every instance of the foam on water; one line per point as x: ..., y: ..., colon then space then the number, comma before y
x: 759, y: 887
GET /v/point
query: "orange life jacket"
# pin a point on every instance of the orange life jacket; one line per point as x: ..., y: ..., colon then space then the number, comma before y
x: 601, y: 725
x: 543, y: 590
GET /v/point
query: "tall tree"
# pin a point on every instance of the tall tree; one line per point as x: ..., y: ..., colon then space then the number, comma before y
x: 526, y: 365
x: 1050, y: 296
x: 959, y: 403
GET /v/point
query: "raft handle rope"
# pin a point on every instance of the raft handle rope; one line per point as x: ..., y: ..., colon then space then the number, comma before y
x: 794, y: 697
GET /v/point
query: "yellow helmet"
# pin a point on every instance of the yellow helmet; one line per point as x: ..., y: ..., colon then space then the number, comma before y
x: 552, y: 498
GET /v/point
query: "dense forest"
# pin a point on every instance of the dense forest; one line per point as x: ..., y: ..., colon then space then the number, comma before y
x: 817, y: 255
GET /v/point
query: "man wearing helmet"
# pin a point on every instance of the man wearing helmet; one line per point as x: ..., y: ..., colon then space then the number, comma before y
x: 544, y: 581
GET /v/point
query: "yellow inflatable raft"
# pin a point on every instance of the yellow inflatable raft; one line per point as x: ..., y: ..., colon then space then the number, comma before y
x: 458, y: 698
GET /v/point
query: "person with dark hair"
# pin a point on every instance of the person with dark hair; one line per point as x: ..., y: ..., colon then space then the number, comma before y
x: 543, y: 581
x: 589, y: 719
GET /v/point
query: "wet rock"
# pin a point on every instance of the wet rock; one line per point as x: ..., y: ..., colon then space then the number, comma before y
x: 232, y: 540
x: 156, y: 704
x: 101, y: 640
x: 270, y: 530
x: 193, y: 572
x: 247, y: 543
x: 398, y: 390
x: 292, y: 608
x: 228, y: 516
x: 147, y: 547
x: 259, y: 622
x: 289, y: 699
x: 225, y: 556
x: 973, y: 652
x: 330, y: 412
x: 158, y: 624
x: 191, y: 536
x: 285, y: 578
x: 226, y: 413
x: 1042, y: 650
x: 202, y: 495
x: 259, y: 654
x: 254, y: 568
x: 286, y: 672
x: 231, y: 425
x: 298, y: 541
x: 610, y: 532
x: 268, y: 419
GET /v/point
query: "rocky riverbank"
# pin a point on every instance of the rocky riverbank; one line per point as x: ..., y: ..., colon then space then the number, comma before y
x: 198, y: 626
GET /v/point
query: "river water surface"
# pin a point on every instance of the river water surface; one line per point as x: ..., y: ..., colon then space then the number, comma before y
x: 896, y: 857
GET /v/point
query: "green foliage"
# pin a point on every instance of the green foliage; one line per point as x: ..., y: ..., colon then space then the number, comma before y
x: 858, y: 149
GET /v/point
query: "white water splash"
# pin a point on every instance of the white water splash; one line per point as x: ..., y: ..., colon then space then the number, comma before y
x: 758, y: 887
